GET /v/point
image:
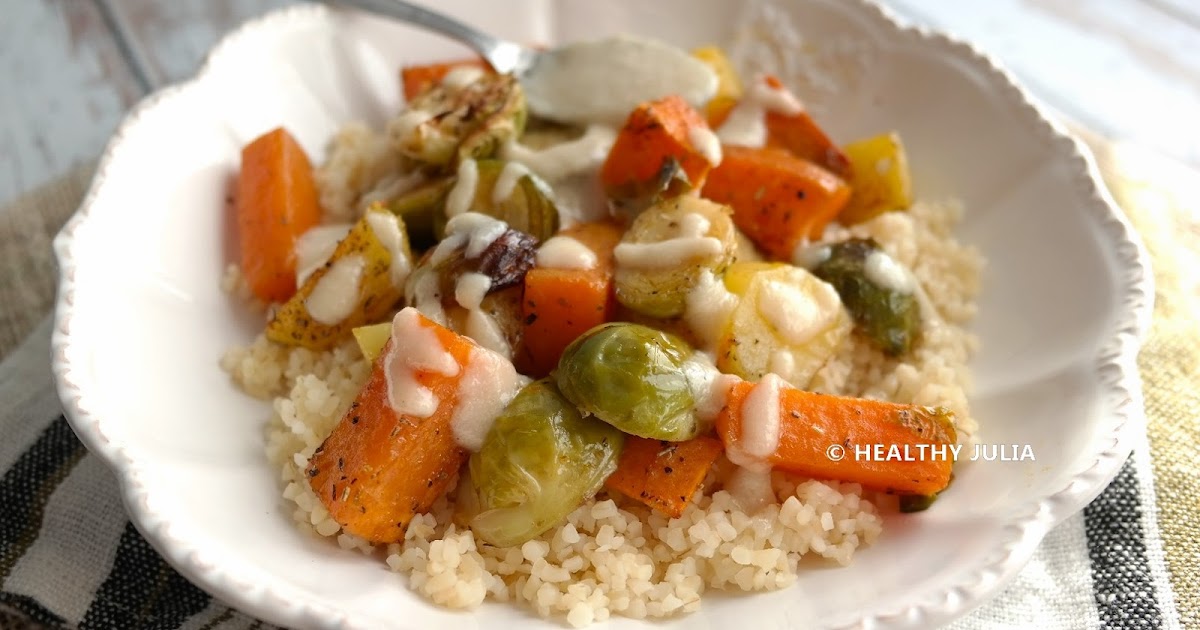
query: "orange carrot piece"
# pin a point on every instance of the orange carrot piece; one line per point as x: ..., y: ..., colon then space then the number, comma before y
x: 811, y: 423
x: 276, y: 203
x: 801, y: 135
x: 655, y: 133
x: 379, y: 467
x: 561, y: 304
x: 417, y: 79
x: 777, y: 198
x: 664, y: 475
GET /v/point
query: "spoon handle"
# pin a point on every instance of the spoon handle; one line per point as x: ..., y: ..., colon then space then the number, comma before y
x: 504, y: 56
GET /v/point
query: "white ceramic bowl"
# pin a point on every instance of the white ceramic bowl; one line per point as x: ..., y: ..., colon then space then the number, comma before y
x: 141, y: 321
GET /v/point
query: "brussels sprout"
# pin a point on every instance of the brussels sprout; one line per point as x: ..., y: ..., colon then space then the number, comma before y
x: 632, y: 198
x: 447, y: 124
x: 527, y: 207
x: 634, y: 378
x: 876, y: 291
x: 659, y: 287
x: 540, y: 460
x: 916, y: 502
x: 419, y: 207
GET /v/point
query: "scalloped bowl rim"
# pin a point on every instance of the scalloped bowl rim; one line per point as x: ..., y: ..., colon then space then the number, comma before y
x: 1115, y: 362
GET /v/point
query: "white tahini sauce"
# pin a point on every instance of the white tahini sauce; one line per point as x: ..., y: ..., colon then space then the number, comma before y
x: 883, y: 271
x: 391, y: 187
x: 486, y: 387
x: 315, y: 246
x: 783, y: 363
x: 708, y: 385
x: 471, y: 288
x: 564, y: 252
x: 750, y: 485
x: 426, y: 296
x: 469, y: 293
x: 471, y: 229
x: 386, y: 227
x: 747, y: 124
x: 603, y: 80
x: 335, y: 295
x: 461, y: 77
x: 415, y: 348
x: 708, y: 309
x: 403, y: 126
x: 582, y: 154
x: 798, y: 315
x: 751, y: 488
x: 462, y: 195
x: 706, y: 142
x: 810, y: 256
x: 760, y: 419
x: 509, y: 176
x: 690, y: 244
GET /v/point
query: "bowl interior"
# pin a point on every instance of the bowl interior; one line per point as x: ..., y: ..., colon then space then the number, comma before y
x: 148, y: 303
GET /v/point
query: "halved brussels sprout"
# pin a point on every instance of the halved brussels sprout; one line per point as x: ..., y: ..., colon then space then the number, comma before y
x: 634, y: 378
x: 916, y: 502
x: 876, y: 291
x: 540, y: 460
x: 447, y: 124
x: 658, y: 287
x: 525, y: 204
x: 419, y: 207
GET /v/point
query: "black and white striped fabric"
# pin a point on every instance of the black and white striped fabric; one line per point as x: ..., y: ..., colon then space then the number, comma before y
x: 69, y: 557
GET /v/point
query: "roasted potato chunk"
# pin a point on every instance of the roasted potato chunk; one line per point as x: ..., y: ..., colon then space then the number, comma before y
x: 788, y: 322
x: 667, y: 248
x: 361, y: 283
x: 881, y: 181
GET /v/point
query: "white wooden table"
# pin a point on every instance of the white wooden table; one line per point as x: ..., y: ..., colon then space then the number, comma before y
x: 1128, y: 69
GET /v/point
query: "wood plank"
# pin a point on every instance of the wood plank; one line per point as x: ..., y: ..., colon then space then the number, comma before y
x: 173, y: 37
x: 1128, y: 69
x: 66, y: 86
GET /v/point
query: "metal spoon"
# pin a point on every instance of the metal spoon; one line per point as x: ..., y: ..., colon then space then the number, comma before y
x: 587, y: 82
x: 503, y: 55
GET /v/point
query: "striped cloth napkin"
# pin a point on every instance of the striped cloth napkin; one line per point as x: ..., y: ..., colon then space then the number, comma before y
x: 69, y: 557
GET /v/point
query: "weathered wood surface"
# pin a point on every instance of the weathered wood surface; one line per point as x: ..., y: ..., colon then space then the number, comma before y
x: 70, y: 69
x: 1129, y: 69
x: 64, y: 86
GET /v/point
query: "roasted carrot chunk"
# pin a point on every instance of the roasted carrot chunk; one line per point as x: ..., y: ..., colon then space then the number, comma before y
x: 417, y: 79
x: 800, y: 134
x: 658, y: 137
x: 777, y: 198
x: 380, y: 466
x: 810, y: 424
x: 664, y: 475
x: 276, y: 202
x: 561, y: 304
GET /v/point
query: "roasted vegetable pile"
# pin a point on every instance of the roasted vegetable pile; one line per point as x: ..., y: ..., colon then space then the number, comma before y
x: 541, y: 353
